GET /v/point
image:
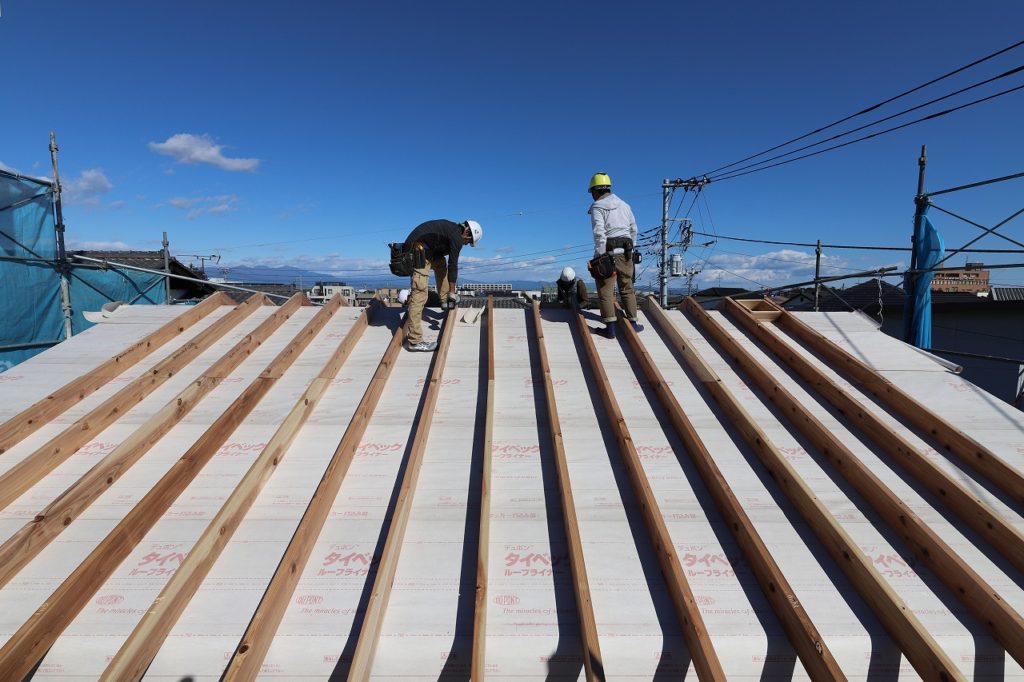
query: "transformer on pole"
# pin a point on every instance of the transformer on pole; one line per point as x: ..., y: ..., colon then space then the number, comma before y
x: 673, y: 267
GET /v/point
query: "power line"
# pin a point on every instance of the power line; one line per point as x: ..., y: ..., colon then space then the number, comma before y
x: 929, y: 117
x: 872, y: 107
x: 881, y: 120
x: 842, y: 246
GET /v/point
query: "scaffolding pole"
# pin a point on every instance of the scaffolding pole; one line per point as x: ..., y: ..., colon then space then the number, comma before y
x: 62, y: 263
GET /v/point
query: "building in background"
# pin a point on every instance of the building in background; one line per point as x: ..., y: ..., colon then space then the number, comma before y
x: 487, y: 288
x: 971, y: 279
x: 325, y: 291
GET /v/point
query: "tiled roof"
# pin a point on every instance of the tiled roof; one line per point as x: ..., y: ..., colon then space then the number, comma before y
x: 1008, y: 293
x: 198, y: 491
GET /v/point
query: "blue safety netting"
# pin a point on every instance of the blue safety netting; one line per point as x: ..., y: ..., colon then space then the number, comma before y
x: 29, y: 287
x: 31, y: 317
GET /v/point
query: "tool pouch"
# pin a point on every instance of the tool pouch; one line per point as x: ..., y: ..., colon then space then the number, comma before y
x: 637, y: 257
x: 401, y: 260
x: 601, y: 267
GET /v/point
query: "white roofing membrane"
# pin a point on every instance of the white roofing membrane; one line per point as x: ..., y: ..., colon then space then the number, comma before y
x: 532, y: 630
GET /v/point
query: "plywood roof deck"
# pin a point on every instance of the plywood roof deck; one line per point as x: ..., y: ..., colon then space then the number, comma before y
x: 339, y: 406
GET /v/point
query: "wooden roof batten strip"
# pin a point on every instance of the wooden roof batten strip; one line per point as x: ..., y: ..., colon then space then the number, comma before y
x: 34, y: 536
x: 255, y: 641
x: 33, y: 468
x: 698, y: 641
x: 964, y: 582
x: 808, y: 643
x: 479, y: 655
x: 39, y: 632
x: 29, y: 420
x: 593, y: 663
x: 967, y: 449
x: 967, y: 506
x: 142, y: 645
x: 903, y: 626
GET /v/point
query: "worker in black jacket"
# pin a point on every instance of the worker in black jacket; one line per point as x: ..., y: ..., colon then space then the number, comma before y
x: 572, y: 290
x: 432, y: 241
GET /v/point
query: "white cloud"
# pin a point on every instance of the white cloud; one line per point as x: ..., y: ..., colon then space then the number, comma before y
x: 188, y: 148
x: 4, y: 166
x: 75, y: 245
x: 775, y: 268
x: 198, y: 206
x: 87, y: 188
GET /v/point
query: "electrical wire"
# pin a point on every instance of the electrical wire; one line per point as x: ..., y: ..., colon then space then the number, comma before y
x: 842, y: 246
x: 878, y: 121
x: 938, y: 114
x: 872, y: 107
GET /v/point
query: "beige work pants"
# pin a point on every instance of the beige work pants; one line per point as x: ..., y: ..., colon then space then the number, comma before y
x: 606, y: 290
x: 420, y: 281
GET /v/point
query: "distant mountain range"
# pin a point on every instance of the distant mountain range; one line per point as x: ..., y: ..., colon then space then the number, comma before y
x: 307, y: 278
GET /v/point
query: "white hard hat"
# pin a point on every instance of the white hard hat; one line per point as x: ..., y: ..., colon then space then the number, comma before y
x: 568, y: 274
x: 475, y: 230
x: 403, y: 296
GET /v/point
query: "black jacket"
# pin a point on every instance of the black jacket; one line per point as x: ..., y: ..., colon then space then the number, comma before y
x: 440, y: 238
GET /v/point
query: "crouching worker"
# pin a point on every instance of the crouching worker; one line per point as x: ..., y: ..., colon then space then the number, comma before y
x: 426, y: 249
x: 614, y: 239
x: 572, y: 290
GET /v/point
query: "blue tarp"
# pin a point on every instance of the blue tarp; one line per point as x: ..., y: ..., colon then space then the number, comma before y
x: 930, y: 250
x: 30, y: 306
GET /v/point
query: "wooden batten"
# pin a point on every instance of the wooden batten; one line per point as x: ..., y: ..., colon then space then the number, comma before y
x: 705, y: 659
x: 31, y: 538
x: 142, y: 645
x: 29, y: 471
x: 593, y: 664
x: 967, y: 449
x: 479, y: 654
x: 808, y: 643
x: 1007, y: 539
x: 963, y: 582
x: 763, y: 315
x: 29, y: 420
x: 917, y: 644
x: 37, y: 634
x: 249, y: 654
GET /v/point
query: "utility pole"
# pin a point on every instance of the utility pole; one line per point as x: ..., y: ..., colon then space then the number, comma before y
x: 167, y: 269
x: 817, y: 275
x: 62, y: 261
x: 666, y: 197
x: 668, y: 188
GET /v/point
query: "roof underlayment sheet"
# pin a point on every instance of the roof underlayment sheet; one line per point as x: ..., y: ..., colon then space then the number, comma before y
x: 330, y: 393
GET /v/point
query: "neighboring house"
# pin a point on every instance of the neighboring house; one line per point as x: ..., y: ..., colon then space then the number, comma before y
x: 710, y: 297
x: 181, y: 290
x: 279, y: 293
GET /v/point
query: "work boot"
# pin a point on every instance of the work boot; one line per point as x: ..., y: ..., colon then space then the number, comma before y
x: 422, y: 346
x: 609, y: 330
x: 637, y: 327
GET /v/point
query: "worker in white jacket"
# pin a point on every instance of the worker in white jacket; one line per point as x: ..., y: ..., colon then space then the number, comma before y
x: 614, y: 234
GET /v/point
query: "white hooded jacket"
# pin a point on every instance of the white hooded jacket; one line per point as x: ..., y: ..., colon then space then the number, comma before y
x: 611, y: 217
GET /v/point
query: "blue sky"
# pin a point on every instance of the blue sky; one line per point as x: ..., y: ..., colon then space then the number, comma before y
x: 311, y: 134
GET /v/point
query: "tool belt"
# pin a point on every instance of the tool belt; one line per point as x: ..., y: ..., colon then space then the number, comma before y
x: 601, y: 267
x: 624, y: 243
x: 404, y: 261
